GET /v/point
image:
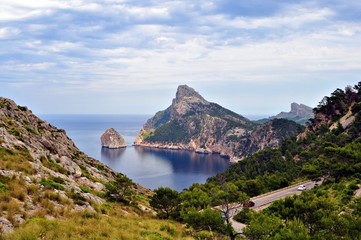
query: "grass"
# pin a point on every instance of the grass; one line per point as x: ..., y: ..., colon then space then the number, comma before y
x: 4, y: 187
x: 50, y: 184
x: 16, y: 159
x: 85, y: 189
x: 30, y: 130
x: 53, y: 165
x: 118, y: 224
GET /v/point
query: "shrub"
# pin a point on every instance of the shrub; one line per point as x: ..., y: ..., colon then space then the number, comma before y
x: 23, y: 108
x: 47, y: 183
x: 77, y: 197
x: 85, y: 189
x: 203, y: 235
x: 4, y: 187
x: 244, y: 216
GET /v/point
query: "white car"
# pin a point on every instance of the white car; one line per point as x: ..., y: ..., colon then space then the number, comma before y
x: 301, y: 188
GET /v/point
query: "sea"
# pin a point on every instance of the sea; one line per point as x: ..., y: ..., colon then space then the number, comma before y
x: 151, y: 168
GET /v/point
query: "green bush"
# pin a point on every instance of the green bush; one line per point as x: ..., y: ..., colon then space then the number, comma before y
x: 15, y: 132
x: 47, y: 183
x: 77, y: 197
x: 4, y: 187
x: 203, y: 235
x: 23, y: 108
x: 244, y: 216
x: 85, y: 189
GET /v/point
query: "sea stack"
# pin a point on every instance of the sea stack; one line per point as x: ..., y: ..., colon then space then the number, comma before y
x: 112, y: 139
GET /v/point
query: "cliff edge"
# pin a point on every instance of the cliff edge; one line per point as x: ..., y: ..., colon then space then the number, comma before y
x: 193, y: 123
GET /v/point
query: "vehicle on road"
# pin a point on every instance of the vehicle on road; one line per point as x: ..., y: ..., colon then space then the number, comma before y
x: 248, y: 203
x: 301, y: 188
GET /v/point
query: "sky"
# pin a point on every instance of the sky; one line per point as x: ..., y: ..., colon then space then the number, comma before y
x: 254, y: 57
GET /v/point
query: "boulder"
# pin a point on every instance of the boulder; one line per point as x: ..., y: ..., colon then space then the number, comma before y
x: 6, y: 226
x: 112, y: 139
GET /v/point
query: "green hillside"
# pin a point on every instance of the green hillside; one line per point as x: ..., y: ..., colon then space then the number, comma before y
x: 330, y: 148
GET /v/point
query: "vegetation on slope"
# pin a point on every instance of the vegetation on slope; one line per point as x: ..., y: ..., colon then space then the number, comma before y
x: 330, y: 148
x: 118, y: 222
x: 51, y: 190
x: 327, y: 212
x: 170, y: 132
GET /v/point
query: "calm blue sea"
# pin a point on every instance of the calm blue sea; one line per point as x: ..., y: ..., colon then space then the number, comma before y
x: 151, y: 168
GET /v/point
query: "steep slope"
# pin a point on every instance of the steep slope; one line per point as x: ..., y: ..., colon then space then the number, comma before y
x: 193, y: 123
x: 268, y: 135
x: 339, y: 113
x: 299, y: 113
x: 330, y: 146
x: 42, y: 172
x: 329, y: 149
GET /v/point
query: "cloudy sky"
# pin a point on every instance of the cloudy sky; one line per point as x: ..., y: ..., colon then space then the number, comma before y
x: 128, y: 57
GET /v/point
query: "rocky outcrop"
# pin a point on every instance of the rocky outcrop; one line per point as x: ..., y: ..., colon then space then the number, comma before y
x: 6, y: 226
x: 112, y: 139
x: 299, y: 113
x: 193, y: 123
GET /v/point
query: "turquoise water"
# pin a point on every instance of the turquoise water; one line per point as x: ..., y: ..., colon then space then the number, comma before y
x: 151, y: 168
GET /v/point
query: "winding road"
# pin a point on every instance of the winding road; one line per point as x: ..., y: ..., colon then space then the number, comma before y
x: 264, y: 200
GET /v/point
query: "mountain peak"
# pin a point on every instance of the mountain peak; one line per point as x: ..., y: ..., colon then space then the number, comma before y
x: 185, y: 91
x: 301, y: 109
x: 299, y: 113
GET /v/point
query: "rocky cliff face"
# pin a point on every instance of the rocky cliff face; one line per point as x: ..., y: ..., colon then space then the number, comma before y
x: 339, y: 113
x: 42, y: 172
x: 299, y: 113
x: 193, y: 123
x: 112, y: 139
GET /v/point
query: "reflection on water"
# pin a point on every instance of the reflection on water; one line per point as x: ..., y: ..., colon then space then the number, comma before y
x: 111, y: 153
x: 153, y: 168
x: 186, y: 161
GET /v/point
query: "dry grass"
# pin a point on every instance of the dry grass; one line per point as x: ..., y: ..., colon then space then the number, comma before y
x: 16, y: 159
x: 10, y: 208
x: 117, y: 225
x: 18, y: 188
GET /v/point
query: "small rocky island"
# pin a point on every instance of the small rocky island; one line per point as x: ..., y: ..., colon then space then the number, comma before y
x: 112, y: 139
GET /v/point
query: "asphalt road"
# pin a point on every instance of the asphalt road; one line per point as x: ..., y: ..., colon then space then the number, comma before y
x: 268, y: 198
x: 264, y: 200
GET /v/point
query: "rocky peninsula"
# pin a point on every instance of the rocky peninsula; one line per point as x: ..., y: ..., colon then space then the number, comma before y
x: 192, y: 123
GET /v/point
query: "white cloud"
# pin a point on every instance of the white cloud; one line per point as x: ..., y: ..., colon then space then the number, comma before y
x: 115, y: 45
x: 60, y: 46
x: 34, y: 4
x: 11, y: 13
x: 13, y: 10
x: 293, y: 18
x: 25, y: 67
x: 8, y: 32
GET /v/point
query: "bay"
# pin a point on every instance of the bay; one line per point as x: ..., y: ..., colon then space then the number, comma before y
x: 151, y: 168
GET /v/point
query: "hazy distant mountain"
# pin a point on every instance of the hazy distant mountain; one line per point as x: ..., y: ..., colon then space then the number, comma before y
x: 299, y: 113
x: 193, y: 123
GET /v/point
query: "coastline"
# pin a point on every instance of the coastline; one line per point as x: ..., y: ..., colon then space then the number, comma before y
x: 187, y: 147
